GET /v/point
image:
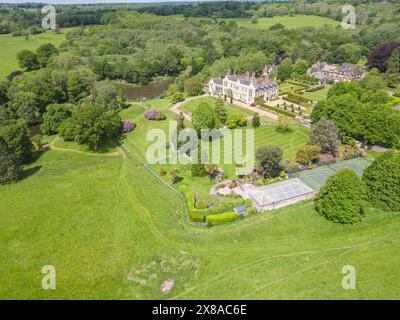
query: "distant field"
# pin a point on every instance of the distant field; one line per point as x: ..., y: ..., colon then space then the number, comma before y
x: 10, y: 46
x: 296, y: 21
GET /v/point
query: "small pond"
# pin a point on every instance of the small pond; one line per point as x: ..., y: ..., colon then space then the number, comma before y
x: 148, y: 91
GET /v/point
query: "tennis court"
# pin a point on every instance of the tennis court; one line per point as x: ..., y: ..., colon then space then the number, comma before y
x: 316, y: 178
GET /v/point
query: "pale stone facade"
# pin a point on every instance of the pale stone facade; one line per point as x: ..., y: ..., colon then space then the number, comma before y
x: 244, y: 88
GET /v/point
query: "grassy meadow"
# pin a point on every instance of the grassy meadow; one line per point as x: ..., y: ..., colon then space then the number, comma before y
x: 10, y: 46
x: 290, y: 22
x: 111, y: 230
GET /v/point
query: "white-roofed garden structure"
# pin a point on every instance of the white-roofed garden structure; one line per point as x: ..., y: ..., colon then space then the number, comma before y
x: 280, y: 194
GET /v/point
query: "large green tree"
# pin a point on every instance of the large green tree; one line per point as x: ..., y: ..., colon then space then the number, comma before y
x: 373, y: 81
x: 45, y: 52
x: 9, y: 166
x: 26, y: 106
x: 325, y: 135
x: 16, y: 135
x: 3, y: 92
x: 193, y: 86
x: 268, y: 161
x: 382, y: 178
x: 94, y: 126
x: 204, y: 118
x: 284, y: 71
x: 28, y: 60
x: 341, y: 198
x: 54, y: 116
x: 79, y: 84
x: 366, y: 116
x: 107, y: 96
x: 393, y: 64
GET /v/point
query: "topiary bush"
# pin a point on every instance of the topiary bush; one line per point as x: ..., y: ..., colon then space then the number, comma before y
x: 308, y: 154
x: 198, y: 170
x: 248, y: 203
x: 252, y: 210
x: 341, y: 198
x: 196, y: 216
x: 236, y: 120
x: 382, y: 179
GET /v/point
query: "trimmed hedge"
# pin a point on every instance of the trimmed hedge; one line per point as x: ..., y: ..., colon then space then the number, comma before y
x: 317, y: 88
x: 221, y: 218
x: 200, y: 215
x: 189, y: 197
x: 252, y: 210
x: 196, y: 216
x: 297, y: 99
x: 279, y: 110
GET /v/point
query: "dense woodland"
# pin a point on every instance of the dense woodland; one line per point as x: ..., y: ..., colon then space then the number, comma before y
x: 75, y: 81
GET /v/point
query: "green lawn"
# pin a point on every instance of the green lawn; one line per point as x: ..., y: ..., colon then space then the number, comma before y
x: 10, y: 46
x: 296, y: 21
x: 286, y: 87
x: 318, y: 95
x: 290, y: 22
x: 190, y: 106
x: 113, y: 231
x: 264, y: 135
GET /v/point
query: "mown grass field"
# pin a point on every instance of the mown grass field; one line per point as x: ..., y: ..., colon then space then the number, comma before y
x: 319, y: 94
x: 111, y: 230
x: 10, y: 46
x: 190, y: 106
x: 297, y: 21
x: 265, y: 135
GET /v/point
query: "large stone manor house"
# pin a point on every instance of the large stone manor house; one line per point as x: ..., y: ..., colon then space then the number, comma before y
x: 244, y: 88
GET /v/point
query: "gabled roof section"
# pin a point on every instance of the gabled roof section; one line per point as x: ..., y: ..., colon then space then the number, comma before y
x: 280, y: 191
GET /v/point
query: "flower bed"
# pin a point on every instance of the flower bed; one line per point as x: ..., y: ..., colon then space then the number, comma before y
x: 154, y: 114
x: 127, y: 126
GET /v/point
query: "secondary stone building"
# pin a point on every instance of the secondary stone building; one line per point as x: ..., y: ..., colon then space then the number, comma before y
x: 244, y: 88
x: 325, y: 72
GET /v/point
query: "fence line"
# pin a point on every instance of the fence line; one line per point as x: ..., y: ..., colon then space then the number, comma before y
x: 186, y: 213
